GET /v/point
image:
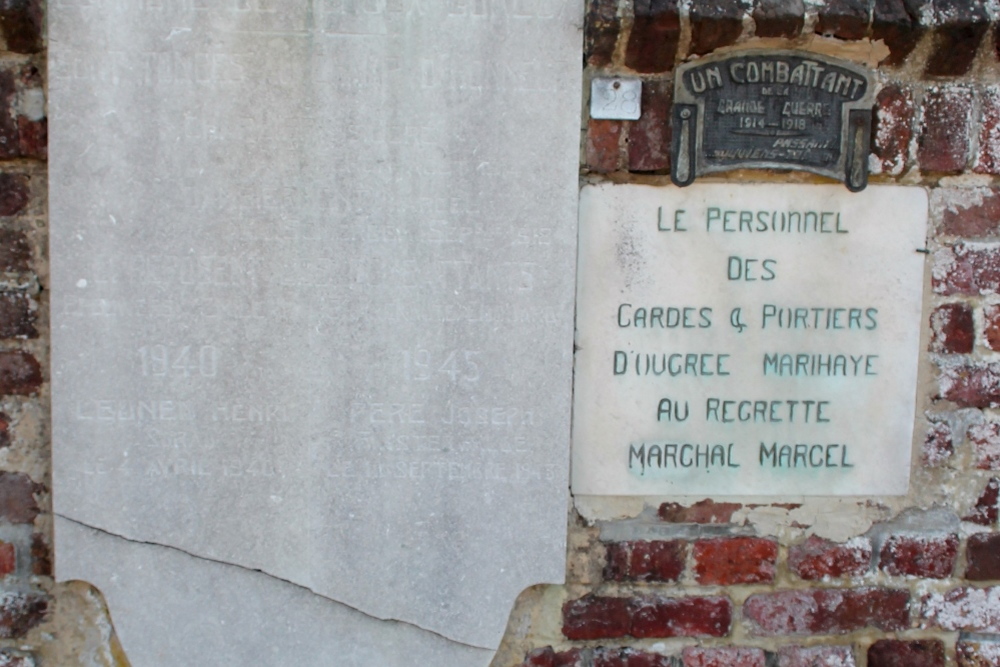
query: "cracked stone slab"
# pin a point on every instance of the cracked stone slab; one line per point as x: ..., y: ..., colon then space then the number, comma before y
x: 224, y: 610
x: 312, y: 294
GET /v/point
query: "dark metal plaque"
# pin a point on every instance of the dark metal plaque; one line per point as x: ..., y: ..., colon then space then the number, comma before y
x: 772, y: 109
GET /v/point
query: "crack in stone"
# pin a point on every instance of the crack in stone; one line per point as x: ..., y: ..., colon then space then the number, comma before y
x: 272, y: 576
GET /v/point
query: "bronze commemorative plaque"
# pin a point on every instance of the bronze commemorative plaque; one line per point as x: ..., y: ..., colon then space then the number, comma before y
x: 772, y: 109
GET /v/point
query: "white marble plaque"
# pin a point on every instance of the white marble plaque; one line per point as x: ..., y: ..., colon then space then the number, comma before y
x: 312, y: 295
x: 747, y: 339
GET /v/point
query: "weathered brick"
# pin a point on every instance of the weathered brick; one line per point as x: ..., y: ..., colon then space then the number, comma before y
x: 645, y: 561
x: 723, y: 657
x: 656, y: 31
x: 972, y: 212
x: 601, y: 27
x: 14, y: 193
x: 703, y: 511
x: 827, y: 611
x: 943, y: 145
x: 844, y: 19
x: 952, y: 329
x: 15, y: 251
x: 893, y: 128
x: 971, y: 385
x: 682, y: 617
x: 10, y: 658
x: 649, y: 137
x: 628, y: 657
x: 939, y: 444
x: 978, y: 653
x: 8, y: 559
x: 816, y: 656
x: 897, y: 23
x: 986, y: 511
x: 574, y: 657
x: 18, y: 316
x: 988, y: 158
x: 17, y: 497
x: 596, y: 617
x: 539, y: 657
x: 967, y: 268
x: 604, y: 145
x: 21, y: 24
x: 959, y: 28
x: 991, y: 326
x: 20, y: 135
x: 898, y: 653
x: 929, y: 557
x: 734, y: 560
x: 982, y: 554
x: 817, y: 558
x: 970, y: 609
x: 20, y: 373
x: 19, y: 612
x: 779, y: 18
x: 985, y: 439
x: 715, y: 23
x: 41, y: 556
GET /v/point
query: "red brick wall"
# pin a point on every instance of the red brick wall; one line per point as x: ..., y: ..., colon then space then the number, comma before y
x: 917, y: 582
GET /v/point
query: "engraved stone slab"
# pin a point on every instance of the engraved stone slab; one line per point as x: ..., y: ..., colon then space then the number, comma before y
x: 747, y: 339
x: 312, y: 276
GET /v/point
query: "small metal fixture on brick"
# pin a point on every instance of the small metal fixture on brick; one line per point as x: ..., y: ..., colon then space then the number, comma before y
x: 772, y: 110
x: 615, y: 99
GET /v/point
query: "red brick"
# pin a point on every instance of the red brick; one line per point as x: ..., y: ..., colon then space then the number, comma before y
x: 723, y: 657
x: 601, y: 27
x: 735, y: 560
x: 978, y: 653
x: 15, y: 251
x: 943, y: 144
x: 645, y: 561
x: 21, y: 25
x: 20, y: 373
x: 893, y: 129
x: 897, y: 653
x: 959, y: 28
x: 897, y: 23
x: 970, y: 385
x: 967, y: 268
x: 929, y: 557
x: 20, y: 612
x: 715, y: 23
x: 682, y: 617
x: 985, y: 439
x: 656, y: 31
x: 41, y: 556
x: 972, y: 212
x: 986, y: 511
x: 703, y: 511
x: 20, y: 136
x: 540, y: 657
x: 649, y: 137
x: 982, y: 554
x: 988, y: 158
x: 779, y: 18
x: 14, y: 193
x: 991, y: 326
x: 827, y: 611
x: 17, y: 497
x: 574, y: 657
x: 8, y: 559
x: 844, y: 19
x: 627, y: 657
x: 952, y: 329
x: 18, y: 314
x: 604, y: 145
x: 938, y: 444
x: 816, y: 656
x: 817, y: 558
x: 594, y: 617
x: 970, y: 609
